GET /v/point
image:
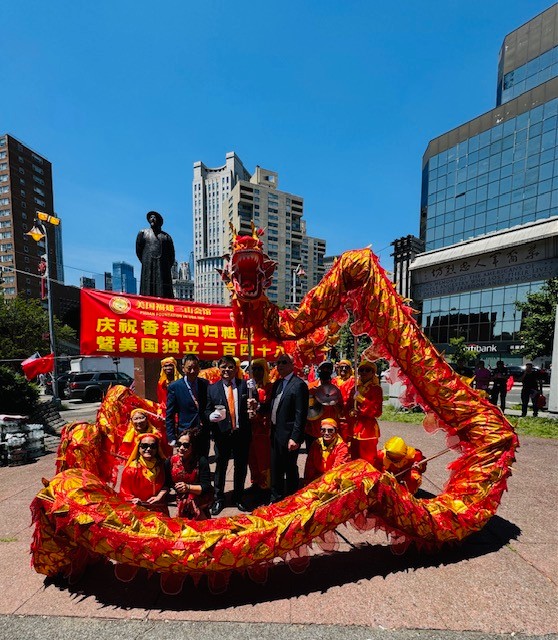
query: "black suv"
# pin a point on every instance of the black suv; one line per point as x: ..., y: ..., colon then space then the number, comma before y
x: 93, y: 385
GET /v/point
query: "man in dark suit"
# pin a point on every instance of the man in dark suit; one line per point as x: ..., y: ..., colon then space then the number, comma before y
x: 187, y: 399
x: 289, y: 409
x: 231, y: 432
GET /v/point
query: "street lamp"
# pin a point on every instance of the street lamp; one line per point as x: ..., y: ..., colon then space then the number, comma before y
x: 38, y: 232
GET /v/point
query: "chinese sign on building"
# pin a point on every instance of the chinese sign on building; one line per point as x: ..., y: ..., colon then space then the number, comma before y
x: 124, y: 325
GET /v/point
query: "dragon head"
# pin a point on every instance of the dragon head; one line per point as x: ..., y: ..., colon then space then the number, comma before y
x: 249, y: 271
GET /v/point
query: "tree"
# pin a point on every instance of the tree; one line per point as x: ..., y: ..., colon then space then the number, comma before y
x: 537, y: 322
x: 461, y: 352
x: 24, y: 325
x: 17, y: 395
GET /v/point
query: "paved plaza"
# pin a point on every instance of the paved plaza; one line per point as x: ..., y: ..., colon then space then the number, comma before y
x: 500, y: 581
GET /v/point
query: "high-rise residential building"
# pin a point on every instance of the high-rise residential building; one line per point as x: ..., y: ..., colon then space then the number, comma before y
x: 405, y: 250
x: 123, y: 279
x: 25, y: 188
x: 230, y: 195
x: 182, y: 281
x: 108, y: 281
x: 489, y: 205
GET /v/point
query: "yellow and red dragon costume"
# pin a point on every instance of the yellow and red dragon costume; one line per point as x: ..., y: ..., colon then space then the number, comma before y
x: 79, y: 518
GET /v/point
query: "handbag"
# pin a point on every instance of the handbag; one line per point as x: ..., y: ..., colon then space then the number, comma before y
x: 541, y: 401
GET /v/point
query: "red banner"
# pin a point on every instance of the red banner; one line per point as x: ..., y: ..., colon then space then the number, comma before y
x: 120, y: 324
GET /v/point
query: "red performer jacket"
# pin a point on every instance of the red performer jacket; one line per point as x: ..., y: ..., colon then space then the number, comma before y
x: 324, y: 457
x: 403, y: 469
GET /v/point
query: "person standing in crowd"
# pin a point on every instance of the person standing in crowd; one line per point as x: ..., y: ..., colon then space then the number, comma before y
x: 186, y: 403
x: 259, y: 458
x: 363, y: 411
x: 169, y: 373
x: 144, y: 481
x: 327, y: 452
x: 500, y: 377
x: 482, y: 377
x: 531, y: 389
x: 328, y: 397
x: 227, y: 410
x: 189, y: 474
x: 287, y: 408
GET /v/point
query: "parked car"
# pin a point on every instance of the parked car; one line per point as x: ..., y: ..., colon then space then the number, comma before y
x: 516, y: 371
x: 93, y: 385
x: 62, y: 381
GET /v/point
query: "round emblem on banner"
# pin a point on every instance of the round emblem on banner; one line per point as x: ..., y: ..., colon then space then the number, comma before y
x: 120, y: 305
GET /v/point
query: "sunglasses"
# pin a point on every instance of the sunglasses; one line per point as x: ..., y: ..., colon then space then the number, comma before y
x: 184, y: 445
x: 326, y: 430
x: 146, y: 445
x: 343, y: 366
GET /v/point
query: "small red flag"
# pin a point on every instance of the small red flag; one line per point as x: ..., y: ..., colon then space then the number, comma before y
x: 35, y: 365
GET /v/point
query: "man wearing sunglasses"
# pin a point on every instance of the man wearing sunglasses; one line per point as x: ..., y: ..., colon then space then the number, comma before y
x: 227, y: 410
x: 327, y: 452
x: 288, y: 408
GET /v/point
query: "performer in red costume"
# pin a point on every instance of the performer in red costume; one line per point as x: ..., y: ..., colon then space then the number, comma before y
x: 325, y: 402
x: 169, y: 373
x: 326, y: 452
x: 144, y: 480
x: 259, y: 456
x: 404, y: 462
x: 364, y: 406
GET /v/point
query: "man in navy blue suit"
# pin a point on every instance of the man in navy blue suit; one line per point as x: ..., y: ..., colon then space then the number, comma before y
x: 231, y: 431
x: 187, y: 400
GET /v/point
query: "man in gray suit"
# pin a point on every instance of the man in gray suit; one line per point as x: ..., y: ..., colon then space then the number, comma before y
x: 288, y: 409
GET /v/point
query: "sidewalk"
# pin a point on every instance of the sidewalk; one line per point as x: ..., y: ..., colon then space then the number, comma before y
x: 502, y: 580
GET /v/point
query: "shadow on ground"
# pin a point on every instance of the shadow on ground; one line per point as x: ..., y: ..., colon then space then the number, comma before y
x: 362, y: 562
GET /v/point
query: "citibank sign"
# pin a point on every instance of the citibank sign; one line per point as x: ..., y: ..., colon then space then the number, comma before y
x: 485, y: 348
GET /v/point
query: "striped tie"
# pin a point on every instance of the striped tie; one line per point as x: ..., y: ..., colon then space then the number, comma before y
x: 230, y: 402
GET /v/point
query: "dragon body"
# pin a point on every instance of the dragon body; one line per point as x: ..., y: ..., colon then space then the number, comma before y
x: 79, y: 517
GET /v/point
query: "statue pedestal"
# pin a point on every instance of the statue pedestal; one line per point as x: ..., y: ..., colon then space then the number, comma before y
x: 146, y: 376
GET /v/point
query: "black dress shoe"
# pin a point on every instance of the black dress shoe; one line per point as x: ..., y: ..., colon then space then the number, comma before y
x: 242, y: 507
x: 217, y: 507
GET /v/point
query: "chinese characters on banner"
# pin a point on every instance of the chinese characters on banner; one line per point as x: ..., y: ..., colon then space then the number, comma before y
x: 125, y: 325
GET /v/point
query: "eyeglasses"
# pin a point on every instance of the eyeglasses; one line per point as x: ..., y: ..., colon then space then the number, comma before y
x: 343, y: 366
x: 227, y: 366
x: 147, y: 445
x: 326, y: 430
x: 184, y: 445
x: 365, y: 370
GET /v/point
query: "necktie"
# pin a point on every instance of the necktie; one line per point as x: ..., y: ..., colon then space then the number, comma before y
x: 276, y: 401
x: 230, y: 402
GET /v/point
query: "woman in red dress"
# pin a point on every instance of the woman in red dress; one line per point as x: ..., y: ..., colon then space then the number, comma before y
x: 144, y: 481
x: 259, y: 456
x: 189, y: 475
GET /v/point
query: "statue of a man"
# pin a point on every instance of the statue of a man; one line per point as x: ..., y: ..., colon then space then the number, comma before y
x: 155, y: 251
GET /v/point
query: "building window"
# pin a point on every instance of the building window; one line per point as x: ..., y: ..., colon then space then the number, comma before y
x: 40, y: 202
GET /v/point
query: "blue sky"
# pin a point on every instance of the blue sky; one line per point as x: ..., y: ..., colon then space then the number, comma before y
x: 341, y: 98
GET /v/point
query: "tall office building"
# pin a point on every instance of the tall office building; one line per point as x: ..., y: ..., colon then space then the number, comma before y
x: 123, y: 279
x: 25, y: 188
x: 182, y: 281
x: 230, y: 194
x: 489, y: 206
x: 87, y: 283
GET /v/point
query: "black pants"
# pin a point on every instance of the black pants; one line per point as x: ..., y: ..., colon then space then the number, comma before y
x: 501, y: 390
x: 284, y: 470
x: 229, y: 445
x: 526, y: 395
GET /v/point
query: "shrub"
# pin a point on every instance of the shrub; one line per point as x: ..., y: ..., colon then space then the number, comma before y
x: 17, y: 395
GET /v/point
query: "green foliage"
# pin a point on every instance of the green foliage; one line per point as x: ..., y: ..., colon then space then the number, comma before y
x: 391, y: 414
x: 461, y: 352
x: 17, y: 395
x: 345, y: 346
x: 537, y: 324
x: 539, y: 427
x: 24, y: 325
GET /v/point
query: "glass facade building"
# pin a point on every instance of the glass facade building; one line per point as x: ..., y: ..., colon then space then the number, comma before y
x: 123, y: 279
x: 489, y: 203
